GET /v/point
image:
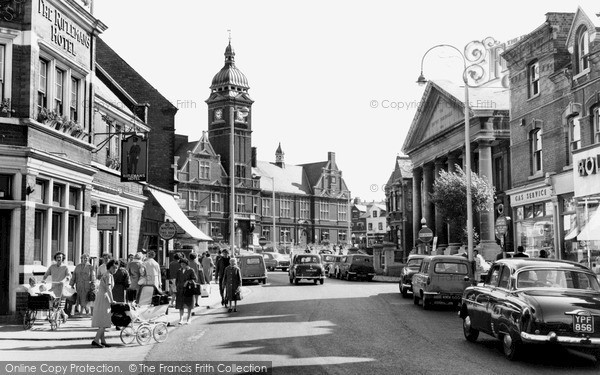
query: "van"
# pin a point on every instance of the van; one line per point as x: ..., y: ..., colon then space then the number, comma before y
x: 441, y: 278
x: 252, y: 267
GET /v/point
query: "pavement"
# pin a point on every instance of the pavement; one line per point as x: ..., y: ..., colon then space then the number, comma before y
x: 79, y: 327
x: 386, y: 279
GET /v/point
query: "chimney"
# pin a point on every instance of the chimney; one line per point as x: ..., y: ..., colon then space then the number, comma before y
x: 331, y: 157
x: 253, y: 157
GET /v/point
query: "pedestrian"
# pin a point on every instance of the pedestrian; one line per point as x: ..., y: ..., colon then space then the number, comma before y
x: 122, y: 282
x: 102, y: 268
x: 543, y: 254
x: 59, y: 274
x: 233, y: 284
x: 104, y: 298
x: 222, y: 263
x: 83, y: 280
x: 129, y: 258
x: 185, y: 276
x: 502, y: 255
x: 207, y: 267
x: 520, y: 253
x: 151, y: 270
x: 197, y: 267
x: 134, y: 269
x: 174, y: 266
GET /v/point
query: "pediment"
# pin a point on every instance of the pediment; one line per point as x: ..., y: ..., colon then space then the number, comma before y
x: 439, y: 112
x: 589, y: 20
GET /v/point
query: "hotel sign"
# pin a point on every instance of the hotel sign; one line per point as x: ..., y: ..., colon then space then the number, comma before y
x: 62, y: 31
x: 531, y: 196
x: 586, y: 172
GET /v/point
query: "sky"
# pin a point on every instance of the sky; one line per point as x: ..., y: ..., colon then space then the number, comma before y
x: 325, y: 75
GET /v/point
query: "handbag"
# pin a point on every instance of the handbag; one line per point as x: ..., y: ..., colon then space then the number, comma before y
x: 91, y: 295
x: 191, y: 289
x: 204, y: 290
x: 238, y: 294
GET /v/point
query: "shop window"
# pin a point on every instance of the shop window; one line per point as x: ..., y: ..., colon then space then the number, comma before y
x: 536, y: 151
x: 582, y: 49
x: 538, y: 210
x: 5, y: 187
x: 533, y: 78
x: 528, y: 212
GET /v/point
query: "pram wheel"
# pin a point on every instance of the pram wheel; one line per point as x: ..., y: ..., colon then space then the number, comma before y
x: 28, y: 319
x: 144, y: 334
x: 127, y: 335
x: 160, y: 332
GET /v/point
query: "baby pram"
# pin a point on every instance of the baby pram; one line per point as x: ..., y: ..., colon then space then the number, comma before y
x: 141, y: 320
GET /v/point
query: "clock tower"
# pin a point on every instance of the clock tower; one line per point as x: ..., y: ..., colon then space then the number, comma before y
x: 229, y: 107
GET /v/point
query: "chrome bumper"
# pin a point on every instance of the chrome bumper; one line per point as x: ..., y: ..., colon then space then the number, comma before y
x: 553, y: 337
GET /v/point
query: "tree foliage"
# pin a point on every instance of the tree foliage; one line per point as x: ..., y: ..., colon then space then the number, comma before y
x: 450, y: 197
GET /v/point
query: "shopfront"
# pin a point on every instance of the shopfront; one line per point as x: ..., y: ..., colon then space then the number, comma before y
x: 586, y: 179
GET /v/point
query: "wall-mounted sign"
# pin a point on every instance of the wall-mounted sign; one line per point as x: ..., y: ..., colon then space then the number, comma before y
x: 134, y: 159
x: 107, y: 222
x: 535, y: 195
x: 62, y: 31
x: 586, y: 172
x: 167, y: 230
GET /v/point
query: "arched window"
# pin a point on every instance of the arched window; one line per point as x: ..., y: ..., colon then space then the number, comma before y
x: 583, y: 45
x: 574, y: 133
x: 536, y: 151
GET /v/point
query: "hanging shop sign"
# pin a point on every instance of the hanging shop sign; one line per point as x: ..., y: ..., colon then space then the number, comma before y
x: 134, y: 159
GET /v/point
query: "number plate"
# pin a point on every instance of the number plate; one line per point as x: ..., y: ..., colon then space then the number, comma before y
x: 583, y: 324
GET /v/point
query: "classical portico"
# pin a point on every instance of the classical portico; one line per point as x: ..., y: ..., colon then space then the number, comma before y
x: 435, y: 142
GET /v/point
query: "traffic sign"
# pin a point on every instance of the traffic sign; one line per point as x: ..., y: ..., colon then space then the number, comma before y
x: 167, y: 230
x: 425, y: 235
x: 262, y: 241
x: 501, y: 225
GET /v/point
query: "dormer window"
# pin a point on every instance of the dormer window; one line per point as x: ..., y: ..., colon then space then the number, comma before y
x: 583, y: 49
x: 533, y: 78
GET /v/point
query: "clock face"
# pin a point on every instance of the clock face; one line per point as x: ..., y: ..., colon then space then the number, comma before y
x: 218, y: 114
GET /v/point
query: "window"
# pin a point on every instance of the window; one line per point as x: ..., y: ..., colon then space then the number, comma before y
x: 342, y: 236
x: 57, y: 232
x: 342, y: 212
x: 370, y: 226
x: 57, y: 195
x: 215, y: 230
x: 324, y: 210
x: 574, y: 133
x: 240, y: 170
x: 5, y: 187
x: 215, y: 202
x: 73, y: 200
x: 73, y: 111
x: 380, y: 226
x: 266, y: 233
x: 240, y: 203
x: 255, y: 205
x: 266, y: 207
x: 375, y: 213
x: 58, y: 93
x: 285, y: 208
x: 193, y: 200
x: 583, y: 45
x: 42, y: 99
x: 204, y: 170
x: 499, y: 173
x: 38, y: 236
x: 304, y: 209
x: 536, y: 150
x: 72, y: 237
x: 2, y: 74
x: 596, y: 124
x: 533, y: 78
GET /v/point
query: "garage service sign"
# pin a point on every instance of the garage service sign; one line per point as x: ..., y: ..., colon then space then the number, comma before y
x: 530, y: 196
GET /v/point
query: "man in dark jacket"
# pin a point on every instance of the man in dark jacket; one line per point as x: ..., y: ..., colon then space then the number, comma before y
x: 222, y: 263
x: 520, y: 253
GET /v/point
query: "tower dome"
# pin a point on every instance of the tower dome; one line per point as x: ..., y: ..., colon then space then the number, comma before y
x: 229, y: 75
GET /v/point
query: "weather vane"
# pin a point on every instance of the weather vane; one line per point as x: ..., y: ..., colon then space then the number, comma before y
x: 229, y: 31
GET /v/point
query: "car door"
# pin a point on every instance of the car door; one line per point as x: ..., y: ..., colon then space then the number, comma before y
x: 478, y: 299
x: 418, y: 280
x: 497, y: 306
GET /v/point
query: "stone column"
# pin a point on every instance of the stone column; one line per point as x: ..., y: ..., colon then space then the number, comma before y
x: 487, y: 219
x: 454, y: 233
x: 428, y: 208
x: 441, y: 228
x: 416, y: 199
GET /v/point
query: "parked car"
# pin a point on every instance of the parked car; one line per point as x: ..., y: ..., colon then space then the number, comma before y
x: 357, y: 266
x: 275, y: 261
x: 441, y: 278
x: 329, y: 261
x: 252, y: 267
x: 334, y: 268
x: 535, y: 301
x: 307, y: 267
x: 413, y: 264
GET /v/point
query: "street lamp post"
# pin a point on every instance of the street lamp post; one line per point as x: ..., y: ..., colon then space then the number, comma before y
x: 421, y: 81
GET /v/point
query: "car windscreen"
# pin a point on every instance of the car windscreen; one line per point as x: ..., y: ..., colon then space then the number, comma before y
x: 451, y: 268
x: 557, y: 278
x: 307, y: 259
x: 329, y: 258
x: 362, y: 259
x: 414, y: 263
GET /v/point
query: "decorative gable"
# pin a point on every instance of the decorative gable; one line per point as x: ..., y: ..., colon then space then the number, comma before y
x: 590, y: 20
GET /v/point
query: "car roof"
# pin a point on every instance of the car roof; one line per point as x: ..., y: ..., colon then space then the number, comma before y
x: 518, y: 263
x: 417, y: 256
x: 447, y: 257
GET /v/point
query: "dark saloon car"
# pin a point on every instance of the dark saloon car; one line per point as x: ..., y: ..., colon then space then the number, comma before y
x: 275, y: 261
x: 535, y: 301
x: 357, y: 266
x: 412, y: 266
x: 307, y: 267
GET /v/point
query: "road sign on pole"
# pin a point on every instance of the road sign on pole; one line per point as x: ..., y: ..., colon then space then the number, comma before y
x: 262, y: 241
x: 501, y: 225
x: 425, y: 235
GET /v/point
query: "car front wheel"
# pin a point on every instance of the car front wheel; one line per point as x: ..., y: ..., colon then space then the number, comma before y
x: 415, y: 299
x: 511, y: 346
x: 470, y: 333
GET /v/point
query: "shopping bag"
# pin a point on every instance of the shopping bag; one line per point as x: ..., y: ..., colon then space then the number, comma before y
x: 204, y: 290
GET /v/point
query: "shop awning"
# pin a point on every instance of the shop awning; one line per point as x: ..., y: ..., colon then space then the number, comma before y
x: 591, y: 230
x: 168, y: 203
x: 572, y: 234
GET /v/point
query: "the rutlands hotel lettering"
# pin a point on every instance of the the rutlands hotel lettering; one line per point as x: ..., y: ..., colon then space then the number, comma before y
x: 62, y: 31
x: 589, y: 165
